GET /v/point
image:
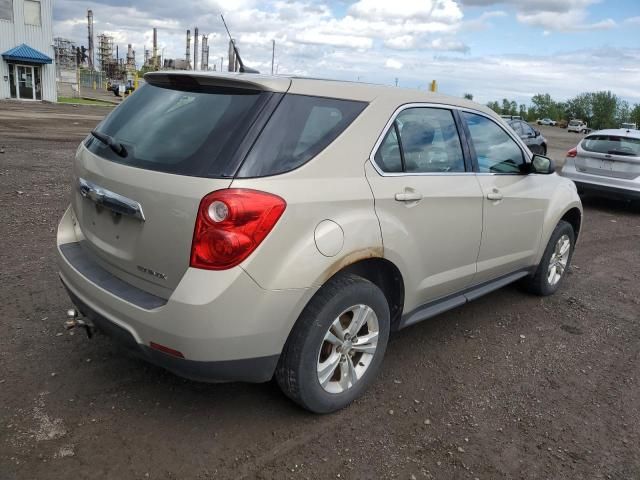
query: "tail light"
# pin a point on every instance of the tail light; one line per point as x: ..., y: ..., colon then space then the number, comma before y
x: 231, y: 224
x: 573, y: 152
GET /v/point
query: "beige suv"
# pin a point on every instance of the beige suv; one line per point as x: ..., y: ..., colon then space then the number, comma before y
x: 237, y: 227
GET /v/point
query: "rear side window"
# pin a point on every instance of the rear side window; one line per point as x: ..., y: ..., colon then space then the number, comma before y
x: 300, y: 128
x: 496, y: 151
x: 189, y: 130
x: 429, y: 143
x: 612, y: 145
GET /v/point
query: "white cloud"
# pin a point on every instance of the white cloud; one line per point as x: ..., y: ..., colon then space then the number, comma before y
x: 559, y: 15
x: 483, y: 22
x: 392, y: 63
x: 573, y: 20
x: 444, y: 44
x: 336, y: 40
x: 447, y: 11
x: 403, y: 42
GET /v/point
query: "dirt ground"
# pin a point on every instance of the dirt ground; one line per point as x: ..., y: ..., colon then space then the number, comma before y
x: 509, y: 386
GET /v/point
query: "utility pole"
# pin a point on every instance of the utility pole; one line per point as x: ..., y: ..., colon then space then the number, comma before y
x: 396, y: 81
x: 273, y: 54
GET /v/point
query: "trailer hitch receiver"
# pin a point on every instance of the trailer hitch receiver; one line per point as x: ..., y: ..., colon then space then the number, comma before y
x: 73, y: 321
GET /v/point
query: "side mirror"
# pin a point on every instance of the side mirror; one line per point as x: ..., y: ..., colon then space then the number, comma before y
x: 542, y: 165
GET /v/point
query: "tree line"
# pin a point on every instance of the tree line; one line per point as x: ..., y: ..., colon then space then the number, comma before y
x: 599, y: 109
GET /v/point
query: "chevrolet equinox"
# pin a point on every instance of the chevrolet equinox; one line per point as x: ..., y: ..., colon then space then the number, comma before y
x: 243, y: 227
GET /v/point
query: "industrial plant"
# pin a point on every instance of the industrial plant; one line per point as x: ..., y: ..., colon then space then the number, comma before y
x: 99, y: 64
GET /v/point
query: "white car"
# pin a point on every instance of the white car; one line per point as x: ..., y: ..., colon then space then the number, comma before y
x: 606, y: 162
x: 547, y: 121
x: 577, y: 126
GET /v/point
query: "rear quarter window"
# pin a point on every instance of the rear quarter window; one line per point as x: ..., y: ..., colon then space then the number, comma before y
x: 300, y: 128
x: 612, y: 145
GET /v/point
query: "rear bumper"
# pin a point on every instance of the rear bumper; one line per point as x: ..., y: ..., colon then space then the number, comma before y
x: 226, y: 325
x: 614, y: 187
x: 608, y: 191
x: 256, y: 370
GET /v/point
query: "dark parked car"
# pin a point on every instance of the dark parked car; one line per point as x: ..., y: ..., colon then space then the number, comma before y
x: 530, y: 136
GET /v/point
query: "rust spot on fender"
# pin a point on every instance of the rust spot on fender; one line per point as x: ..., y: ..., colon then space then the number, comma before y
x: 350, y: 259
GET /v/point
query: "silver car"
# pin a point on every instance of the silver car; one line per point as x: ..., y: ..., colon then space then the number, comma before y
x: 241, y: 227
x: 606, y: 162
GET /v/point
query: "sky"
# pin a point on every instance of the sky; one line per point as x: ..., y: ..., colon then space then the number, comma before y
x: 492, y: 49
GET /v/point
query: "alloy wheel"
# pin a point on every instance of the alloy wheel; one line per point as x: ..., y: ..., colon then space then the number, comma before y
x: 559, y: 260
x: 348, y: 348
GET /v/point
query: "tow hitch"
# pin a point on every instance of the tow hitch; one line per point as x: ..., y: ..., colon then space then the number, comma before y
x: 73, y: 321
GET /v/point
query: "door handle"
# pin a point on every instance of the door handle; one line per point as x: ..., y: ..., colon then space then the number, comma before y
x: 495, y: 196
x: 408, y: 197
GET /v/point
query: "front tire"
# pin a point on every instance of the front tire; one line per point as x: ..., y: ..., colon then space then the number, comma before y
x: 335, y: 350
x: 554, y: 263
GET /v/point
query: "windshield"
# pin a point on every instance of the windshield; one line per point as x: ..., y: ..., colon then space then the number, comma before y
x: 184, y: 131
x: 612, y: 145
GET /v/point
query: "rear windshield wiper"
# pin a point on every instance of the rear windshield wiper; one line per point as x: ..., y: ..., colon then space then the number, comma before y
x: 111, y: 143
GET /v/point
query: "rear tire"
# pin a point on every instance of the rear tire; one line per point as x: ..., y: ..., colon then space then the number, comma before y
x: 555, y: 262
x: 328, y: 361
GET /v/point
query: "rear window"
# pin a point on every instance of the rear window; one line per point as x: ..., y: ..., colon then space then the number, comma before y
x: 612, y: 145
x: 574, y: 123
x: 300, y: 128
x: 189, y: 130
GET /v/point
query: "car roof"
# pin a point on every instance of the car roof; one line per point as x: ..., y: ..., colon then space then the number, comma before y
x: 619, y: 132
x: 340, y: 89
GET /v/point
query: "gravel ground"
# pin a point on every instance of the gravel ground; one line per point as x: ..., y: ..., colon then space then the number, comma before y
x: 509, y: 386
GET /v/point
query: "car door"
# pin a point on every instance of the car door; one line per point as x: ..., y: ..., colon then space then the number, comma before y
x: 514, y: 202
x: 428, y: 201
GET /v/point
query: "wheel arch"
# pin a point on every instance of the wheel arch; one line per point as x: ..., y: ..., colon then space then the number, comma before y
x: 386, y: 276
x: 571, y: 213
x: 573, y: 216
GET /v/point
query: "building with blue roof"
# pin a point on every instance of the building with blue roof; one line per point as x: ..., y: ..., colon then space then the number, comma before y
x: 27, y: 69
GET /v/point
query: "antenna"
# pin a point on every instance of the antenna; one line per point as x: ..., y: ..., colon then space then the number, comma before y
x: 243, y: 69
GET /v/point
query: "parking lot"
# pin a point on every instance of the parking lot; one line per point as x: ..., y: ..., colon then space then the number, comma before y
x: 509, y: 386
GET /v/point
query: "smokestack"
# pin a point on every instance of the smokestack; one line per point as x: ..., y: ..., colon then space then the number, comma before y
x: 131, y: 58
x: 90, y: 35
x: 155, y: 47
x: 196, y: 52
x: 204, y: 64
x: 188, y: 56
